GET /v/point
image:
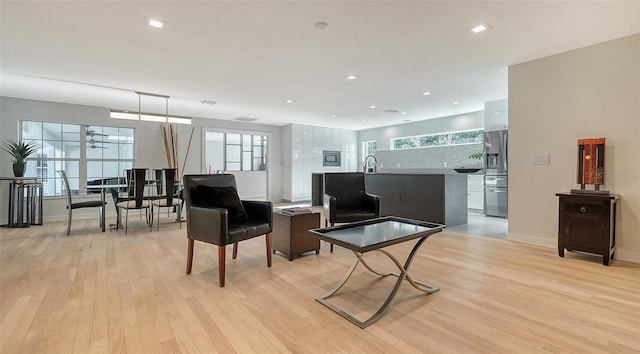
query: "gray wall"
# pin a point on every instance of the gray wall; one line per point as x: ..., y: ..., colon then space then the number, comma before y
x: 431, y: 159
x: 382, y: 136
x: 149, y: 145
x: 554, y: 101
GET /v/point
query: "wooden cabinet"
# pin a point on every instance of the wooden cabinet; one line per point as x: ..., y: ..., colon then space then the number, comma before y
x: 587, y: 223
x: 291, y: 234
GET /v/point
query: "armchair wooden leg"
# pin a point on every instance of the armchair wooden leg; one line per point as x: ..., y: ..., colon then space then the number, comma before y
x: 331, y: 248
x: 268, y: 238
x: 235, y: 251
x: 190, y: 256
x: 222, y: 255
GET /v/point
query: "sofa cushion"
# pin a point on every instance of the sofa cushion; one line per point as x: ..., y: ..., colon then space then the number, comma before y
x: 220, y: 197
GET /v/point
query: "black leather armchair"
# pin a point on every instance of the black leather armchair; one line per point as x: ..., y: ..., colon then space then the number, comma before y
x: 345, y: 199
x: 223, y: 226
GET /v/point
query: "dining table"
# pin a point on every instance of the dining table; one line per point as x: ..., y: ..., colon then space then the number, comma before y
x: 103, y: 191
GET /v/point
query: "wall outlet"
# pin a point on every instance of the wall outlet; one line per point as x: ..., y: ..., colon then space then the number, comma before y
x: 445, y: 164
x: 397, y: 165
x: 540, y: 159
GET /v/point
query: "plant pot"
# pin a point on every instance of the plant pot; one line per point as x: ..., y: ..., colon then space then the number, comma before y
x: 18, y: 169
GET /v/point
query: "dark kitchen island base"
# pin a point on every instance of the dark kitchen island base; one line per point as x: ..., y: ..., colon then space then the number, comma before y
x: 439, y: 198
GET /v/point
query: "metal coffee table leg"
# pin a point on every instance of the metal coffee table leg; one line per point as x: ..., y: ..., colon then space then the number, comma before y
x: 403, y: 273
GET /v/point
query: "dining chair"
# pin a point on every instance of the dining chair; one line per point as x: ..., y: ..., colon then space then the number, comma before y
x: 138, y: 195
x: 72, y: 206
x: 167, y: 189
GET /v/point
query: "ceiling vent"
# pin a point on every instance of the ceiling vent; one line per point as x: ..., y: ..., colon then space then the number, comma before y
x: 391, y: 110
x: 245, y: 119
x: 209, y: 102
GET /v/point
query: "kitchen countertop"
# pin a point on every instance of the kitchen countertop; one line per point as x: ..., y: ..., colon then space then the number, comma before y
x: 430, y: 171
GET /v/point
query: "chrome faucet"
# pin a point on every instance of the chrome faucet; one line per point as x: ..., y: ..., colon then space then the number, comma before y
x: 375, y: 164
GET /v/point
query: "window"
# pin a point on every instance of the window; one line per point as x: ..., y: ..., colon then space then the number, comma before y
x: 85, y: 152
x: 235, y: 151
x: 369, y: 148
x: 443, y: 139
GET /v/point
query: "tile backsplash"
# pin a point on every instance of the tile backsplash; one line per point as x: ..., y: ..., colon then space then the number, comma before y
x: 441, y: 158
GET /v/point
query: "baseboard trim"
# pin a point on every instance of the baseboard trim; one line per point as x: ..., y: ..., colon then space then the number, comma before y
x: 627, y: 256
x: 538, y: 241
x: 621, y: 254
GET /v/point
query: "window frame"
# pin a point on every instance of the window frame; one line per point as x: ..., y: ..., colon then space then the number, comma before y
x: 59, y: 163
x: 446, y: 135
x: 265, y: 138
x: 366, y: 148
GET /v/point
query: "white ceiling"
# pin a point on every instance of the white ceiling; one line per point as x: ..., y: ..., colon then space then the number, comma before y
x: 252, y: 56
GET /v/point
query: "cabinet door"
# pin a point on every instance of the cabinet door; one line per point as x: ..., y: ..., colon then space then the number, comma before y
x: 475, y: 200
x: 474, y: 183
x: 584, y: 232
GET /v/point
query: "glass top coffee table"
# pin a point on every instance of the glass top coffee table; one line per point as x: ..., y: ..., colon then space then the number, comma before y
x: 373, y: 235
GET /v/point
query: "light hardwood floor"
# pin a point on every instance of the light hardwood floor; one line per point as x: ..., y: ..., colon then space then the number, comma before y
x: 94, y: 292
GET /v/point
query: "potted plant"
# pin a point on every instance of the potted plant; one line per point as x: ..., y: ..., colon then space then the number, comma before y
x: 476, y: 156
x: 19, y: 151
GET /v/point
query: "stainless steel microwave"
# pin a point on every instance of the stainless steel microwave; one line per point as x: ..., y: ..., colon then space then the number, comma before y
x: 330, y: 158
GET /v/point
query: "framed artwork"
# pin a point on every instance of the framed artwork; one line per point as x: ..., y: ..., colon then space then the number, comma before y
x: 591, y: 162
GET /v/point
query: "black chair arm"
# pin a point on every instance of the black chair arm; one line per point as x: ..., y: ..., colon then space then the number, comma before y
x: 329, y: 207
x: 258, y: 210
x: 208, y: 224
x: 371, y: 202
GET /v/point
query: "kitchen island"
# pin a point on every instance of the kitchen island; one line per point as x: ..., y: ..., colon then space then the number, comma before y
x: 438, y: 197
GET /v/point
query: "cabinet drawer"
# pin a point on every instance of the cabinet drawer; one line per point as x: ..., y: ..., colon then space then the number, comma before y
x: 584, y: 208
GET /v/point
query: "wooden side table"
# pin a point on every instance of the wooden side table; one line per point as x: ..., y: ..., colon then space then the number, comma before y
x: 291, y: 234
x: 587, y: 223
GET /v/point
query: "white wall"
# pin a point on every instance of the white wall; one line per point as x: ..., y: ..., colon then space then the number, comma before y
x: 149, y: 145
x: 382, y: 136
x: 553, y: 102
x: 307, y: 143
x: 496, y: 115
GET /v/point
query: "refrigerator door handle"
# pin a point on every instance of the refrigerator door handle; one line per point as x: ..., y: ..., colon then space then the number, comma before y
x: 504, y: 152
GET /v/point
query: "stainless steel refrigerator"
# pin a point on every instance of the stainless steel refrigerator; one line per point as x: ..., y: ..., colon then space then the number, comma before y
x: 496, y: 185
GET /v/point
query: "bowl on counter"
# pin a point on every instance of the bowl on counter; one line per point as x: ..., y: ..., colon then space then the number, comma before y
x: 467, y: 170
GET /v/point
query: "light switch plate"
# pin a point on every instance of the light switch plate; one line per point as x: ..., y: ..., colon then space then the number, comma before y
x: 540, y: 159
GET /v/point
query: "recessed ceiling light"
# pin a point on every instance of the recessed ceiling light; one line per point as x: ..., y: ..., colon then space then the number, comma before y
x: 403, y: 112
x: 456, y: 102
x: 251, y: 116
x: 321, y: 25
x: 426, y: 93
x: 480, y: 28
x: 351, y: 77
x: 333, y: 116
x: 372, y: 106
x: 363, y: 121
x: 245, y: 119
x: 155, y: 23
x: 288, y: 101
